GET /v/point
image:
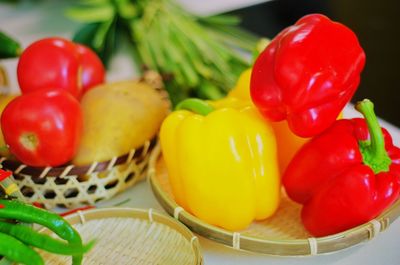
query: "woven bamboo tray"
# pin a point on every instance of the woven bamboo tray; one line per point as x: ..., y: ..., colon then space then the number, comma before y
x: 74, y: 186
x: 282, y: 234
x: 132, y: 236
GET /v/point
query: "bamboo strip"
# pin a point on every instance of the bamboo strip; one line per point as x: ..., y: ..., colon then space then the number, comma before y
x: 132, y: 236
x: 283, y: 234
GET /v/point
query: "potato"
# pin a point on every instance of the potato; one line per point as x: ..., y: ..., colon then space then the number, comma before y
x: 4, y: 100
x: 118, y: 117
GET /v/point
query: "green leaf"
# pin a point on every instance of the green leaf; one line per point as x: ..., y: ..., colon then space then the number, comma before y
x: 208, y: 90
x: 234, y: 36
x: 203, y: 55
x: 175, y: 91
x: 95, y: 36
x: 85, y: 34
x: 129, y: 11
x: 101, y: 34
x: 221, y: 20
x: 99, y: 13
x: 9, y: 47
x: 94, y: 2
x: 126, y: 9
x: 136, y: 30
x: 109, y: 44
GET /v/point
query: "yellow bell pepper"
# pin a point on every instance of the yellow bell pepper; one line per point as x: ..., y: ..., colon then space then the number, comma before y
x: 221, y: 163
x: 242, y: 86
x: 288, y: 143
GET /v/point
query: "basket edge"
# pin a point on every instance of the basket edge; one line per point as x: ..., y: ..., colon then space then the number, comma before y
x: 128, y: 212
x: 296, y: 247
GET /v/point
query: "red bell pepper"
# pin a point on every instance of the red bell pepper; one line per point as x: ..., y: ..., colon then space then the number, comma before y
x: 345, y: 176
x: 307, y: 74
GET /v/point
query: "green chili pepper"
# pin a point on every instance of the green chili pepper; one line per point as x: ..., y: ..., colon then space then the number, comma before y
x: 9, y: 48
x: 15, y: 250
x: 13, y: 209
x: 31, y: 237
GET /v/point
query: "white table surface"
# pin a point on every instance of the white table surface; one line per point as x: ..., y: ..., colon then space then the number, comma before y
x: 31, y: 21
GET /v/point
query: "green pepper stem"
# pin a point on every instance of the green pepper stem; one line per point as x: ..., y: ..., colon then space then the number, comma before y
x: 196, y: 105
x: 373, y: 151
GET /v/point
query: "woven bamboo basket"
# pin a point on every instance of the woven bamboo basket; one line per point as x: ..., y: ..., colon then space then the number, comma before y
x: 282, y: 234
x: 132, y: 236
x: 74, y: 186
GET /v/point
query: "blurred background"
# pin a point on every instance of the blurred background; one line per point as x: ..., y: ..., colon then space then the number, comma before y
x: 376, y: 24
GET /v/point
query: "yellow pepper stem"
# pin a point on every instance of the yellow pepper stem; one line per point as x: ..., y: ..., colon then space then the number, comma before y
x: 195, y: 105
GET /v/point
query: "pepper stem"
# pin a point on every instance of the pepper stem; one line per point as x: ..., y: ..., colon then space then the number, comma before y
x: 196, y: 105
x: 373, y: 152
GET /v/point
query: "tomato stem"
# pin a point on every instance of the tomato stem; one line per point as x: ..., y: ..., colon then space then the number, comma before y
x: 29, y: 141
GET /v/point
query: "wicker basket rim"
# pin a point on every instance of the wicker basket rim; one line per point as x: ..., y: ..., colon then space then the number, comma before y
x: 136, y: 213
x: 281, y: 247
x: 62, y: 171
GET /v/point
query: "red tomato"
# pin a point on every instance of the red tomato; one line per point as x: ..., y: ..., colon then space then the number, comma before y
x: 49, y: 63
x: 43, y: 128
x: 93, y: 71
x: 59, y: 63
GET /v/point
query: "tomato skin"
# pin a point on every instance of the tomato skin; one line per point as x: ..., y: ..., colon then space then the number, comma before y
x: 93, y: 71
x: 49, y: 63
x: 59, y: 63
x: 43, y: 128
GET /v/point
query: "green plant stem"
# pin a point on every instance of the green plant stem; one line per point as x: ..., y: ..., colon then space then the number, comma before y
x: 373, y: 151
x: 193, y: 50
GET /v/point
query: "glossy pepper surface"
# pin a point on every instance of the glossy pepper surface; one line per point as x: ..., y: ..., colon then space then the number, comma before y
x: 221, y: 163
x: 287, y: 142
x: 345, y: 176
x: 307, y: 74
